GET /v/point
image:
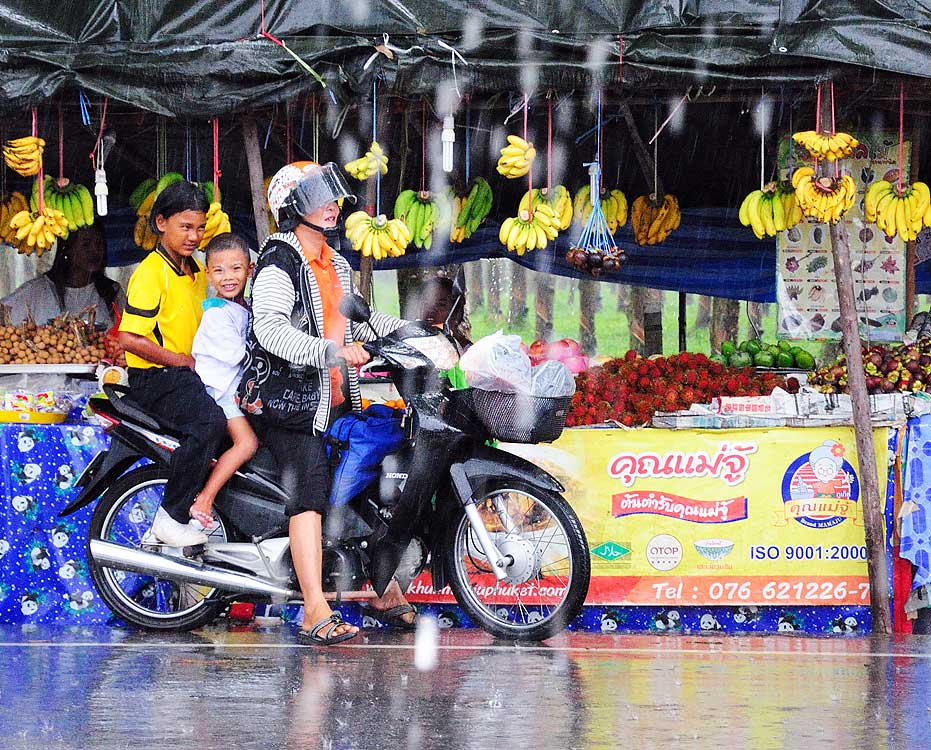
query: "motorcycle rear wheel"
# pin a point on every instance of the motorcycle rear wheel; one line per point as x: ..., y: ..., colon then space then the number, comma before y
x: 548, y: 580
x: 123, y: 515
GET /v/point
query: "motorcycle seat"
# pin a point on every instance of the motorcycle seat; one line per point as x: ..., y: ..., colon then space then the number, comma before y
x: 263, y: 463
x: 125, y: 406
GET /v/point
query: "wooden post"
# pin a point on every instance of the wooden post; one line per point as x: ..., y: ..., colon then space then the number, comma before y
x: 250, y: 137
x: 683, y: 324
x: 493, y: 298
x: 543, y: 306
x: 588, y: 294
x: 476, y: 284
x: 517, y: 305
x: 725, y: 317
x: 635, y: 319
x: 652, y: 321
x: 870, y: 500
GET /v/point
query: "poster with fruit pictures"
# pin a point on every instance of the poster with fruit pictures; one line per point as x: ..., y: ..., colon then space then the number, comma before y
x: 806, y: 290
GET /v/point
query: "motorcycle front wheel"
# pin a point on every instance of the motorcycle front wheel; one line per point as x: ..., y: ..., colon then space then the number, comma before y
x: 123, y: 515
x: 549, y: 571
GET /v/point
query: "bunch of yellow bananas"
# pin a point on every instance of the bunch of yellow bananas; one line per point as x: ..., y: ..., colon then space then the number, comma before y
x: 470, y: 210
x: 73, y: 200
x: 24, y: 155
x: 218, y: 222
x: 825, y: 199
x: 770, y: 210
x: 516, y: 158
x: 828, y: 147
x: 653, y: 220
x: 375, y: 160
x: 529, y: 231
x: 613, y: 206
x: 39, y: 230
x: 421, y: 212
x: 377, y: 236
x: 143, y: 235
x: 557, y: 198
x: 9, y: 207
x: 904, y: 214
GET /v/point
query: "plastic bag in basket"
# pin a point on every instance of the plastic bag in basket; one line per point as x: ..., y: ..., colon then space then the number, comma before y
x: 497, y: 363
x: 552, y: 380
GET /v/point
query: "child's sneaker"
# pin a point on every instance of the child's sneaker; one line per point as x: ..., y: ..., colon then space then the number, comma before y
x: 173, y: 534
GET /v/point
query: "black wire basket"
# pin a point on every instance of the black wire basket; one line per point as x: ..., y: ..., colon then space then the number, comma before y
x: 518, y: 418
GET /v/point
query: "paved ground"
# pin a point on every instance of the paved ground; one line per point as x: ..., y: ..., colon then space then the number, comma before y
x: 84, y: 689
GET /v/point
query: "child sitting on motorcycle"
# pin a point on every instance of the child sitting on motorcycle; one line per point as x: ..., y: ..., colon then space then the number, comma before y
x: 163, y: 311
x: 219, y: 350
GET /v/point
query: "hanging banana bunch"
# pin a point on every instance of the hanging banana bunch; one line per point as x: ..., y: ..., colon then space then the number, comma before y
x: 516, y: 158
x: 374, y: 161
x: 613, y: 206
x: 218, y: 222
x: 529, y: 231
x: 902, y: 212
x: 24, y: 155
x: 825, y: 199
x: 770, y: 210
x: 469, y: 211
x: 377, y: 236
x: 822, y: 146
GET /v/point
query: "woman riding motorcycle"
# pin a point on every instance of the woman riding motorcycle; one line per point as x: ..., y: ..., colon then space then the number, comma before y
x: 300, y: 372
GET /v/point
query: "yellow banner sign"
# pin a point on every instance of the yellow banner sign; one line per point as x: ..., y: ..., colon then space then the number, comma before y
x: 714, y: 517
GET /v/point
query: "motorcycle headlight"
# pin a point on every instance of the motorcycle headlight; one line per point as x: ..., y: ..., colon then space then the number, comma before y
x: 438, y: 349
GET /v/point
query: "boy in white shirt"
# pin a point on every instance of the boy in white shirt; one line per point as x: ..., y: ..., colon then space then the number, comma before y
x: 219, y: 351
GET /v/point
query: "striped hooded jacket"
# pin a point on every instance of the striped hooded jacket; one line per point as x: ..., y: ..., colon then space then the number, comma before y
x: 287, y: 359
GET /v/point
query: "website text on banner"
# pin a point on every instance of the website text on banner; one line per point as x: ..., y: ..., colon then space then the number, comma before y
x: 757, y: 517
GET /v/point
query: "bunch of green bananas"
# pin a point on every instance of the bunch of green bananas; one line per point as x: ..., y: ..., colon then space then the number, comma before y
x: 529, y: 231
x: 421, y: 213
x: 375, y: 160
x: 823, y: 146
x: 613, y: 206
x: 516, y: 158
x: 469, y: 211
x: 141, y: 192
x: 825, y: 199
x: 905, y: 214
x: 377, y: 236
x: 770, y: 210
x: 73, y: 200
x: 24, y: 155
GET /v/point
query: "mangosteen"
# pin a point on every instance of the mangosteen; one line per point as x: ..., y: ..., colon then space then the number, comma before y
x: 912, y: 366
x: 595, y: 260
x: 817, y: 234
x: 887, y: 386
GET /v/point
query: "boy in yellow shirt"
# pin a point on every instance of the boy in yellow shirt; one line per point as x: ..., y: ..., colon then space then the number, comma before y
x: 163, y: 311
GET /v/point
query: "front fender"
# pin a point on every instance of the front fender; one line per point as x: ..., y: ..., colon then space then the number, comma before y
x: 487, y: 463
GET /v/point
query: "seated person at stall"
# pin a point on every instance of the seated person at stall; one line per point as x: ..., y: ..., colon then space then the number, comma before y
x: 436, y: 301
x: 75, y: 282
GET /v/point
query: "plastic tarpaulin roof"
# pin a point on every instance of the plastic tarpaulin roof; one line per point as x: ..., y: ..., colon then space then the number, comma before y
x: 201, y: 59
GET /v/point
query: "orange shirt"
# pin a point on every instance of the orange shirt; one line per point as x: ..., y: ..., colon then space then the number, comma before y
x: 334, y: 324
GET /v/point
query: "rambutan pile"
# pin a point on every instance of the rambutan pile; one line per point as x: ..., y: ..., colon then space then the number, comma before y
x: 630, y: 389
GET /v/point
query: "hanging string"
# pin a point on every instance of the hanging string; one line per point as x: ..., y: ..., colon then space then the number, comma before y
x: 61, y: 143
x: 423, y: 148
x: 297, y: 58
x: 530, y: 171
x: 374, y: 139
x: 468, y: 142
x: 288, y: 151
x: 316, y: 129
x: 187, y: 151
x: 818, y: 121
x: 901, y: 133
x: 549, y: 142
x: 103, y: 119
x: 834, y: 131
x: 162, y: 147
x: 762, y: 142
x: 655, y: 156
x: 216, y: 160
x: 2, y: 171
x: 40, y: 177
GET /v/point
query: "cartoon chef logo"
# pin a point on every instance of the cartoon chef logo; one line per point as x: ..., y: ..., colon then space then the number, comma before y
x: 820, y: 489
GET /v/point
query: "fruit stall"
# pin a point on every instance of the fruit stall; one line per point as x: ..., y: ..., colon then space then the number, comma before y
x: 719, y: 489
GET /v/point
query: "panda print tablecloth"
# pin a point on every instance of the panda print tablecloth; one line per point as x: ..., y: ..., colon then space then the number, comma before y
x: 43, y: 568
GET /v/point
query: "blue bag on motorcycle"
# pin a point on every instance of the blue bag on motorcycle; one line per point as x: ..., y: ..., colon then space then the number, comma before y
x: 364, y: 440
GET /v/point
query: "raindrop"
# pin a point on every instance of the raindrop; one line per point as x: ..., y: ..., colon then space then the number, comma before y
x: 677, y: 119
x: 359, y: 10
x: 495, y: 700
x: 426, y: 643
x: 598, y: 52
x: 473, y: 27
x: 762, y: 115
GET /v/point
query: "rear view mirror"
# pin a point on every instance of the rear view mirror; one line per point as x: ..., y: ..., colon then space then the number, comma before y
x: 356, y: 309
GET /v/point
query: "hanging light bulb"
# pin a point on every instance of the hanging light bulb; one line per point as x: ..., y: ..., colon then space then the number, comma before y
x: 449, y: 138
x: 101, y: 191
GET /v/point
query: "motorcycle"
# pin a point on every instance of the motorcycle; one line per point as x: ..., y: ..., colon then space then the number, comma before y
x: 491, y: 525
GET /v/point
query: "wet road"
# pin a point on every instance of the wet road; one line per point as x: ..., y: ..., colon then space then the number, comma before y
x: 84, y: 689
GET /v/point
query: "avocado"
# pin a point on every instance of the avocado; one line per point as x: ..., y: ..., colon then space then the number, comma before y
x: 784, y: 360
x: 728, y: 348
x: 785, y: 345
x: 804, y: 361
x: 740, y: 359
x: 753, y: 348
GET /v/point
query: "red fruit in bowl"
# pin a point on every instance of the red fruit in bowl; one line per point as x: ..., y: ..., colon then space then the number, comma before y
x: 576, y: 364
x: 573, y: 346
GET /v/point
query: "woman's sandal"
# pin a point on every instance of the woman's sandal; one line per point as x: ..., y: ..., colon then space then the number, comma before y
x: 315, y: 637
x: 393, y: 616
x: 204, y: 519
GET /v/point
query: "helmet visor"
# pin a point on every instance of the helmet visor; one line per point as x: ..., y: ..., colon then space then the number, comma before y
x: 318, y: 186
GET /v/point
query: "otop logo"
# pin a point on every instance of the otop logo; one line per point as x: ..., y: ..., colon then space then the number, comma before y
x: 664, y: 552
